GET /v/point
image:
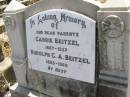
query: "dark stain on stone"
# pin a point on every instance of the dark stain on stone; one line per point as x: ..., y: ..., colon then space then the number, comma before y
x: 69, y: 92
x: 73, y: 93
x: 44, y: 84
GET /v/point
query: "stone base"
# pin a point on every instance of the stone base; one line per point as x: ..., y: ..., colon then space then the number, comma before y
x: 111, y: 86
x: 104, y: 91
x: 18, y: 91
x: 111, y: 91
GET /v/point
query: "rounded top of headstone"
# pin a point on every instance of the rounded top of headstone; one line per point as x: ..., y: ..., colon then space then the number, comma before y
x: 86, y: 7
x: 116, y: 5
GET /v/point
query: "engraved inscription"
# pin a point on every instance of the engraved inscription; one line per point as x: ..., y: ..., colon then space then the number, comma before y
x: 62, y: 42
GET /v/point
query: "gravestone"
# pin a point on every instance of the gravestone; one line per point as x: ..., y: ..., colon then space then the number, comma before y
x: 55, y: 43
x: 113, y: 21
x: 54, y: 47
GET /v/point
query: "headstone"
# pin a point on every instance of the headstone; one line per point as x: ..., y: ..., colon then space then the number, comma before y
x: 62, y: 42
x: 113, y: 35
x: 54, y: 47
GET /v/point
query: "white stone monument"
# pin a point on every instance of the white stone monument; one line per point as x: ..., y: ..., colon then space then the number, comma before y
x: 58, y: 48
x: 54, y: 47
x: 56, y: 43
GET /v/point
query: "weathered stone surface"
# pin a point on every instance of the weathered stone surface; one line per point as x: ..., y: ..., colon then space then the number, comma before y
x: 58, y: 86
x: 107, y: 89
x: 18, y: 91
x: 114, y: 49
x: 128, y: 91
